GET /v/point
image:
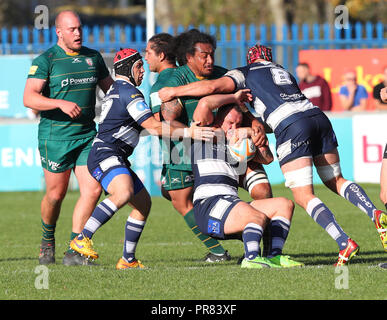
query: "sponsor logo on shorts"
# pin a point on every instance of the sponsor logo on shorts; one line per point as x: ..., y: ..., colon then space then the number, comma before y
x: 189, y: 178
x: 213, y: 226
x: 97, y: 174
x: 52, y: 164
x: 175, y: 180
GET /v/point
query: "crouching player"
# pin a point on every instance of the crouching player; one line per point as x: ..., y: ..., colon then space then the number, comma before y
x: 124, y: 114
x: 219, y: 212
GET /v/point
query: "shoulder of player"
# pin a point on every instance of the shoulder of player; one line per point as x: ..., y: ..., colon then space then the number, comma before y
x: 162, y: 79
x: 89, y: 51
x: 177, y: 77
x: 46, y: 56
x: 127, y: 91
x: 218, y: 71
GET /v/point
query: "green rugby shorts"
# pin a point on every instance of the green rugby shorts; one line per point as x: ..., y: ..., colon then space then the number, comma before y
x: 172, y: 179
x: 59, y: 156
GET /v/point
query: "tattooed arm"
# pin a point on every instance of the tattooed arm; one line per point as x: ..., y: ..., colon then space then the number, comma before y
x: 170, y: 111
x: 264, y: 154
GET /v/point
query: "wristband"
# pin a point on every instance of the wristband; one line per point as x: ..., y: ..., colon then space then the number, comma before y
x: 186, y: 133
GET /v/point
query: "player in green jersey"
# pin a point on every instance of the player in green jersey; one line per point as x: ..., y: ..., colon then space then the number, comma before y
x: 61, y: 85
x: 177, y: 178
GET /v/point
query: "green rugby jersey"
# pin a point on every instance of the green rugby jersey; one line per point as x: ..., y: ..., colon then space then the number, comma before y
x: 72, y: 78
x: 178, y: 77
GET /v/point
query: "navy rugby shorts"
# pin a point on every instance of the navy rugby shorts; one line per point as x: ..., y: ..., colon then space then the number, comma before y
x: 309, y: 136
x: 211, y: 214
x: 104, y: 163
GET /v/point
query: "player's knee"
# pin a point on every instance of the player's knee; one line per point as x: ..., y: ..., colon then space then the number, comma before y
x: 122, y: 198
x: 286, y: 207
x: 256, y: 217
x: 261, y: 191
x: 181, y: 204
x: 92, y: 192
x: 55, y: 196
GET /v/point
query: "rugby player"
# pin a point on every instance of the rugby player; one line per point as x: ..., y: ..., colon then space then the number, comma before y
x: 61, y: 85
x: 219, y: 212
x: 304, y: 136
x: 124, y: 114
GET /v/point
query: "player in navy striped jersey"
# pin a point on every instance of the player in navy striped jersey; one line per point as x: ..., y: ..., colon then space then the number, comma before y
x: 219, y: 212
x: 304, y: 137
x: 124, y: 114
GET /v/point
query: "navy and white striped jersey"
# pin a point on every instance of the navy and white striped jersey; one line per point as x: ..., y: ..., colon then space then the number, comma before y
x: 214, y: 173
x: 277, y: 99
x: 123, y: 111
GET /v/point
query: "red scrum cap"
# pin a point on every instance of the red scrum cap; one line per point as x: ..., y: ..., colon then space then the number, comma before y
x: 259, y: 52
x: 126, y: 56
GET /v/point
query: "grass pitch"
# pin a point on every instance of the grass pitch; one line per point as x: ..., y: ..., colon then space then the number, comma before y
x: 173, y: 256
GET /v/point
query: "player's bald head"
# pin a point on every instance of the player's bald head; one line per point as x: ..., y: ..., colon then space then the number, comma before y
x: 66, y: 17
x: 69, y: 31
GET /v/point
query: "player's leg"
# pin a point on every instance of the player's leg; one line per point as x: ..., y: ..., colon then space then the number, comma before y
x: 383, y: 179
x: 90, y: 191
x: 141, y: 204
x: 56, y: 188
x: 298, y: 177
x: 246, y: 220
x: 328, y: 168
x: 119, y: 184
x: 179, y: 185
x: 256, y: 182
x: 279, y: 212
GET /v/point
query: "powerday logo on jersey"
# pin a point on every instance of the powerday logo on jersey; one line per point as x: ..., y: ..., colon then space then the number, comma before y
x: 74, y: 81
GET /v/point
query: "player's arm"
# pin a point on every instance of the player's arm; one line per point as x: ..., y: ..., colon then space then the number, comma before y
x: 198, y: 88
x: 165, y: 129
x: 263, y: 155
x: 207, y: 104
x: 105, y: 83
x: 34, y: 99
x: 170, y: 111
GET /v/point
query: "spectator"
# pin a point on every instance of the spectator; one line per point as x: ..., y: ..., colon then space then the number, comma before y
x: 314, y: 87
x: 383, y: 94
x: 379, y: 103
x: 353, y: 97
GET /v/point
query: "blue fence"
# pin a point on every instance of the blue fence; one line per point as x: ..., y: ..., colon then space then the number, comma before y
x: 233, y: 40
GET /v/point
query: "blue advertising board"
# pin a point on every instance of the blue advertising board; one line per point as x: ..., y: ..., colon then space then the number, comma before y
x: 14, y: 70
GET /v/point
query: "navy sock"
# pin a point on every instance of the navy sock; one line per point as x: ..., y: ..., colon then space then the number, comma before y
x: 357, y: 196
x: 133, y: 230
x: 279, y: 229
x: 101, y: 214
x: 251, y: 236
x: 325, y: 218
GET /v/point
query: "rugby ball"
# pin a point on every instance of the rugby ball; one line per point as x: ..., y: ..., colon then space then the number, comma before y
x: 243, y: 150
